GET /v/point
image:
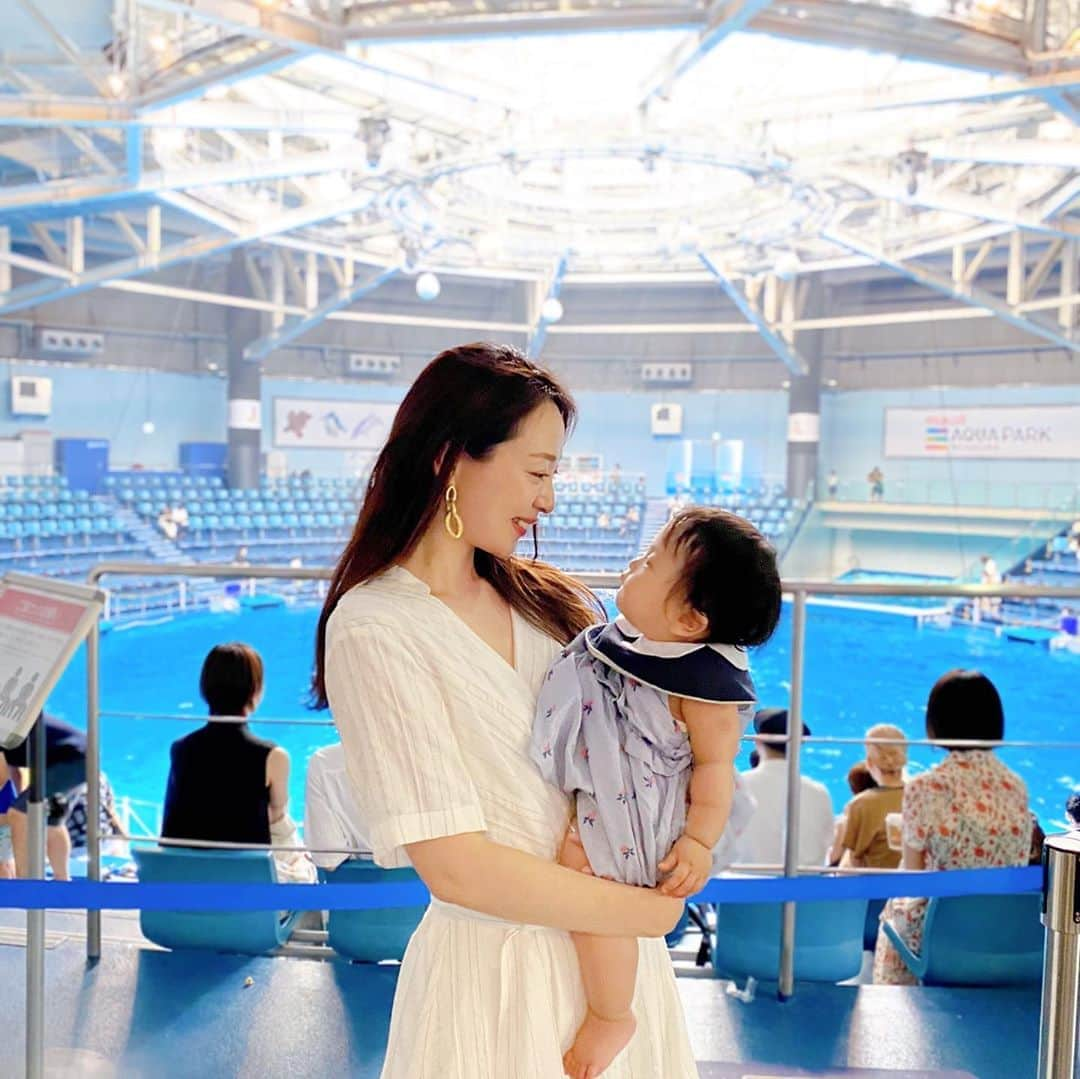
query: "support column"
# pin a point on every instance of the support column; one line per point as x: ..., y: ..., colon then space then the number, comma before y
x: 245, y: 383
x: 804, y: 399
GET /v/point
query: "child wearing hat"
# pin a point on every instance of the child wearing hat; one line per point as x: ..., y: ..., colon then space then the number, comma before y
x: 640, y: 720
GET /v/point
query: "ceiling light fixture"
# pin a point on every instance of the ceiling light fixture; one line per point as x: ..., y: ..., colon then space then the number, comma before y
x: 428, y: 287
x: 551, y: 310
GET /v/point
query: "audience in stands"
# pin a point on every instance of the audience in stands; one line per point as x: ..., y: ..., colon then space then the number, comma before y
x: 181, y: 518
x: 9, y: 791
x: 864, y: 841
x: 332, y: 819
x: 876, y: 478
x: 1072, y: 810
x: 859, y: 779
x: 970, y: 811
x: 763, y: 840
x: 833, y: 483
x: 65, y: 773
x: 166, y: 525
x: 990, y: 575
x: 226, y: 785
x: 241, y: 557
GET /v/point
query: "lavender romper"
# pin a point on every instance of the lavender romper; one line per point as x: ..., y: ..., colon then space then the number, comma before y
x: 603, y: 732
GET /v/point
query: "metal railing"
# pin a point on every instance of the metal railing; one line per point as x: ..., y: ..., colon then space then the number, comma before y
x: 798, y: 591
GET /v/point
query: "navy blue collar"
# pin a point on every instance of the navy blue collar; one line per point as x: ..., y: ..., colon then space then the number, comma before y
x: 703, y: 674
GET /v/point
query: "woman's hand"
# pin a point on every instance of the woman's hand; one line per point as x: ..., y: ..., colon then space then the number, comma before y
x: 688, y: 866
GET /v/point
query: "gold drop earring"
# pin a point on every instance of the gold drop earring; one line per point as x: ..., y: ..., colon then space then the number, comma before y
x: 452, y: 520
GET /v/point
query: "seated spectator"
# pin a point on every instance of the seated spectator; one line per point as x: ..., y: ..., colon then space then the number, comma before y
x: 180, y: 518
x: 763, y: 840
x: 1072, y: 811
x: 603, y: 521
x: 166, y: 524
x: 331, y: 817
x: 864, y: 840
x: 241, y: 557
x: 226, y: 785
x: 859, y: 779
x: 10, y: 785
x: 968, y: 812
x: 65, y: 772
x: 633, y: 515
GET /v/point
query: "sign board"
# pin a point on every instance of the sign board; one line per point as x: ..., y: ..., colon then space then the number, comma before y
x: 1033, y: 433
x: 42, y: 622
x: 303, y: 423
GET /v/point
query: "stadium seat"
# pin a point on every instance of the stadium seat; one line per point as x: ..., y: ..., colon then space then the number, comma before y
x: 977, y: 940
x: 369, y: 936
x: 253, y: 932
x: 828, y: 940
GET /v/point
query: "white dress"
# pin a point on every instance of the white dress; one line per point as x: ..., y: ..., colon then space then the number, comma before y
x: 436, y: 728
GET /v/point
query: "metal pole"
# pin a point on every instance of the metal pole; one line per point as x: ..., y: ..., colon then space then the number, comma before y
x: 786, y: 977
x: 35, y: 919
x: 93, y: 783
x: 1061, y: 960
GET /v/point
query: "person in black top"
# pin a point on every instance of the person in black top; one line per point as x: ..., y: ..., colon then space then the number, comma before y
x: 225, y: 784
x: 65, y: 772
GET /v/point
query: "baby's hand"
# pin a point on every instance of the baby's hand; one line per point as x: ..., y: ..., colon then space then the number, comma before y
x: 687, y: 866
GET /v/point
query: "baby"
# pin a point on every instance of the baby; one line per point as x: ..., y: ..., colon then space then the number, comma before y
x: 640, y: 719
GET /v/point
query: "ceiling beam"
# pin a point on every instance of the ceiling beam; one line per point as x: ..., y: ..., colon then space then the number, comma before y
x: 542, y: 292
x: 771, y: 333
x: 39, y: 292
x: 258, y: 350
x: 74, y: 194
x: 723, y: 18
x: 962, y: 291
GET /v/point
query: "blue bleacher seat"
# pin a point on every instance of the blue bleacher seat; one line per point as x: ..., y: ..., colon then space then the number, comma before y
x: 371, y: 935
x: 978, y: 940
x: 828, y: 940
x: 275, y: 520
x: 246, y: 932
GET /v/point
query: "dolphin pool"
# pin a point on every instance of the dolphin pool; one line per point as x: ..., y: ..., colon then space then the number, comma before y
x: 861, y: 668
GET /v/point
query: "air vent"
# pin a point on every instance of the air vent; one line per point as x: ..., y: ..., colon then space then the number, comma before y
x: 368, y: 364
x: 70, y: 342
x: 668, y: 373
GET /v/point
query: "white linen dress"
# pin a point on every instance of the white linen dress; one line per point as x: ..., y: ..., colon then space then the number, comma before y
x: 436, y: 728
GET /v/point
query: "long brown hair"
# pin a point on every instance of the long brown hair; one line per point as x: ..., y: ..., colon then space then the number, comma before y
x: 467, y: 400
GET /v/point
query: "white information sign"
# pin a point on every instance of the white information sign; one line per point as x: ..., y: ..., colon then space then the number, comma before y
x: 42, y: 622
x: 303, y: 423
x: 1034, y: 433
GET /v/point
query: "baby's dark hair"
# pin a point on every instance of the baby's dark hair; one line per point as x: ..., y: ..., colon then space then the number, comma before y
x: 730, y: 574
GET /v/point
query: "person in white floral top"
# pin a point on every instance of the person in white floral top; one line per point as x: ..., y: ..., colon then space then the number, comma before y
x: 968, y: 812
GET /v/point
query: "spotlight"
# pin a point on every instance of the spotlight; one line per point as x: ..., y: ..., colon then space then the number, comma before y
x: 552, y: 310
x: 148, y: 427
x: 787, y: 266
x: 116, y: 83
x: 428, y: 287
x: 375, y: 132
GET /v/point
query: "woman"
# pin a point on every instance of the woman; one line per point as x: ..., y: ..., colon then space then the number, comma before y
x: 968, y: 812
x: 431, y: 648
x: 226, y: 785
x: 864, y: 841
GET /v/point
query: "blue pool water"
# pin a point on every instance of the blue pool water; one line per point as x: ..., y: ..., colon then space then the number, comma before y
x: 861, y: 668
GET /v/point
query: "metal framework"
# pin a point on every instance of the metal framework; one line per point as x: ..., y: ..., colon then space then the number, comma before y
x: 208, y: 124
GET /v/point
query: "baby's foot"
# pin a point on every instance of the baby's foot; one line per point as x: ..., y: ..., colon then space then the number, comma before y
x: 599, y: 1041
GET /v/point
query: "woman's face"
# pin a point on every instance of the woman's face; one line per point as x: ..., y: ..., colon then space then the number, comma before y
x: 501, y: 497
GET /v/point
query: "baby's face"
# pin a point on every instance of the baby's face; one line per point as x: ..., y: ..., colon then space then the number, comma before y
x: 650, y: 595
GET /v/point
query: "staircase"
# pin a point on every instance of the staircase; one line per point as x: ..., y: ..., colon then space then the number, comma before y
x: 656, y: 515
x: 162, y: 548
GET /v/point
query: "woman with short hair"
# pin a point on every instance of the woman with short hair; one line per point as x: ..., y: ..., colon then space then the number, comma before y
x: 968, y: 812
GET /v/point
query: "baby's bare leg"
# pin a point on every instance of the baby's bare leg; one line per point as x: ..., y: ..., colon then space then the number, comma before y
x: 608, y: 972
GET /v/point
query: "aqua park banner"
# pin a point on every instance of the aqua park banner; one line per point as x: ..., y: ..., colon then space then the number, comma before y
x: 304, y: 423
x: 1034, y: 433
